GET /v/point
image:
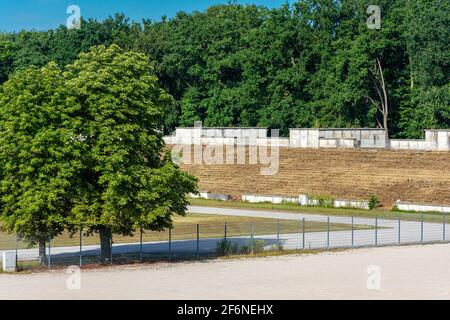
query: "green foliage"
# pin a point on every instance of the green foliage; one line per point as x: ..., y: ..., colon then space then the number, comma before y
x: 7, y: 54
x: 121, y: 110
x: 226, y: 248
x: 253, y: 246
x: 276, y: 248
x: 427, y: 37
x: 374, y: 202
x: 39, y: 154
x: 325, y: 201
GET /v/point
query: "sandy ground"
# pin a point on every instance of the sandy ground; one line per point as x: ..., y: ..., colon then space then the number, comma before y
x: 419, y: 272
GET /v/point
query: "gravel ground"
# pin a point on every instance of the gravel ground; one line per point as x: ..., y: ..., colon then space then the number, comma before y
x: 416, y: 272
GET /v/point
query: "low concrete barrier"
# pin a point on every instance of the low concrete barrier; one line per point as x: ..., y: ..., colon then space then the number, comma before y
x: 351, y: 204
x: 9, y: 261
x: 269, y: 199
x: 407, y: 206
x: 304, y: 200
x: 211, y: 196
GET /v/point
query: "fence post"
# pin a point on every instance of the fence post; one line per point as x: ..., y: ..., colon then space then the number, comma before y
x: 278, y: 233
x: 170, y: 244
x: 198, y: 241
x: 399, y: 229
x: 328, y: 232
x: 81, y: 246
x: 49, y: 251
x: 421, y: 227
x: 444, y: 231
x: 303, y: 229
x: 141, y: 249
x: 17, y: 252
x: 376, y: 231
x: 353, y: 232
x: 251, y: 238
x: 226, y: 231
x: 111, y: 243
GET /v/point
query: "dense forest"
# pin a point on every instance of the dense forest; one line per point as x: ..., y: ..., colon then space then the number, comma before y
x: 313, y: 63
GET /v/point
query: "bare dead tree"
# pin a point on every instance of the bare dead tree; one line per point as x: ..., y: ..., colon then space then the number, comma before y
x: 382, y: 105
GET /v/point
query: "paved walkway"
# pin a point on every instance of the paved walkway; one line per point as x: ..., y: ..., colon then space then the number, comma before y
x: 388, y: 233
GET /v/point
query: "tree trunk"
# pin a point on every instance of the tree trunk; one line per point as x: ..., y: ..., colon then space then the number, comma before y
x: 105, y: 244
x: 42, y: 253
x: 385, y: 105
x: 386, y: 129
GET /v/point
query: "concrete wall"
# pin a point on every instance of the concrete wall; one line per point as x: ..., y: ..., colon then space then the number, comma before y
x: 351, y: 204
x: 338, y: 144
x: 211, y: 196
x: 222, y: 132
x: 275, y: 142
x: 406, y: 206
x: 435, y: 140
x: 443, y: 139
x: 419, y: 145
x: 213, y: 136
x: 269, y: 199
x: 338, y: 138
x: 304, y: 200
x: 304, y: 138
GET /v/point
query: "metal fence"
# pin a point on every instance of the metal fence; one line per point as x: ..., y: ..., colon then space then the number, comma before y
x: 203, y: 240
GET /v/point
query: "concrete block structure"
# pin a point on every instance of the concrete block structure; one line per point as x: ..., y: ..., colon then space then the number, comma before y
x: 210, y: 196
x: 9, y: 261
x: 407, y: 206
x: 217, y: 135
x: 269, y: 199
x: 305, y: 200
x: 338, y: 138
x: 435, y: 140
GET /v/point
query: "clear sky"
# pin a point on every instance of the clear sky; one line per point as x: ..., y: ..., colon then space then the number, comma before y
x: 16, y: 15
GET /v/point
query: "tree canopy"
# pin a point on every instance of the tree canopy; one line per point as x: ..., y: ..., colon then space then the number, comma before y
x: 39, y: 156
x: 309, y: 64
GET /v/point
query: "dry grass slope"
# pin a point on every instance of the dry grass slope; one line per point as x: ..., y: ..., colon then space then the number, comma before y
x: 344, y: 174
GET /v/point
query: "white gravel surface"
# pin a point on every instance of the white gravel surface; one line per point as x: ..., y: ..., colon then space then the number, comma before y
x: 417, y: 272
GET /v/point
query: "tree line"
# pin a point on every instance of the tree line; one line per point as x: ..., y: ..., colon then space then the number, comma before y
x: 310, y: 64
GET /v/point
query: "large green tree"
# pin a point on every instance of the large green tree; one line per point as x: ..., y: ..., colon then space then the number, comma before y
x: 127, y: 182
x: 39, y: 155
x: 83, y: 148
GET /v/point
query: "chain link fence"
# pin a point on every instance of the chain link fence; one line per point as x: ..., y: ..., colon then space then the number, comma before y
x: 209, y: 240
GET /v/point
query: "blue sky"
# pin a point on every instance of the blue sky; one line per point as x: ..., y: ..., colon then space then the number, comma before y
x: 16, y: 15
